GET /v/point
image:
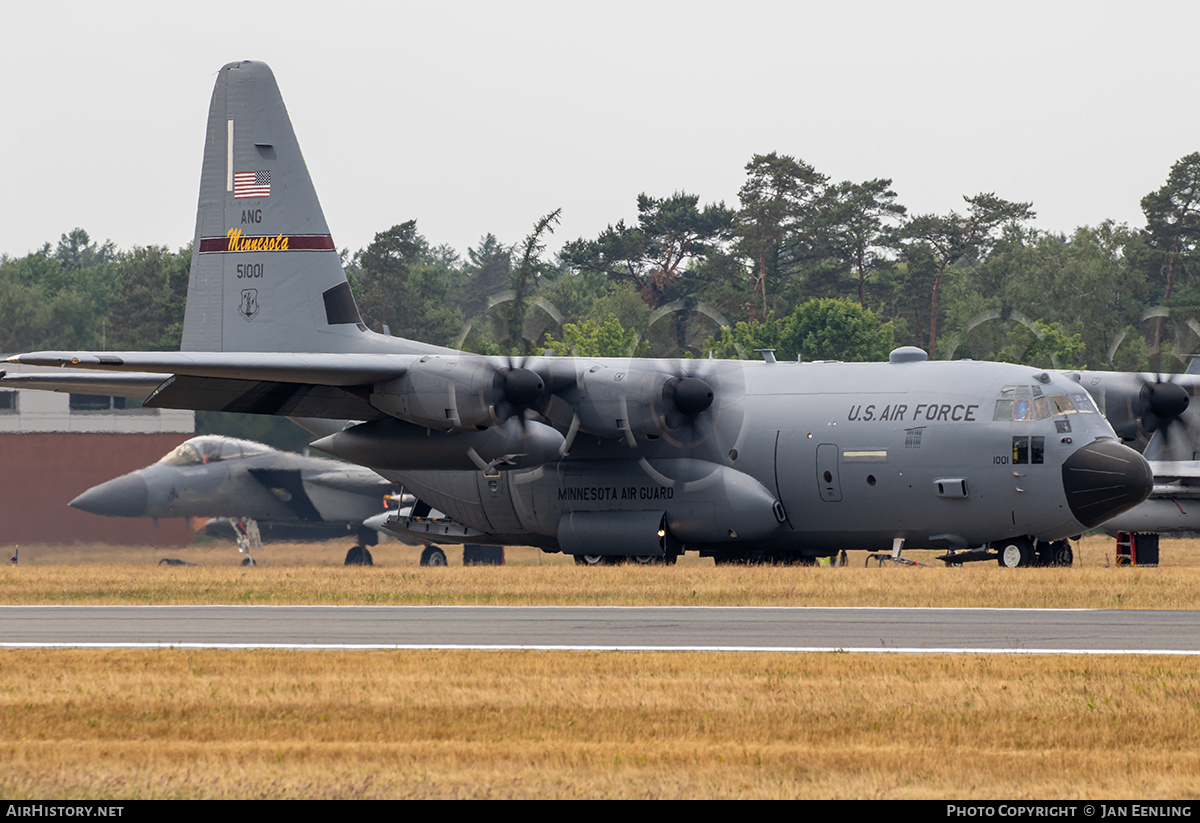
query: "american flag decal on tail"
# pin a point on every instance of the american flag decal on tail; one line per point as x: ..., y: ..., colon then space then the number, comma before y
x: 251, y: 184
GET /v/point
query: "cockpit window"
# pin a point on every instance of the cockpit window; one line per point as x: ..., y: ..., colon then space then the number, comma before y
x: 1022, y: 404
x: 184, y: 455
x: 1083, y: 404
x: 249, y: 448
x: 211, y: 449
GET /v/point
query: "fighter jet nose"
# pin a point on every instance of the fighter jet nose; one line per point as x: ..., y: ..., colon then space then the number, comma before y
x: 1103, y: 479
x: 122, y: 497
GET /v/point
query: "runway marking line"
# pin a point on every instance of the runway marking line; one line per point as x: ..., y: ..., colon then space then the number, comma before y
x: 551, y: 648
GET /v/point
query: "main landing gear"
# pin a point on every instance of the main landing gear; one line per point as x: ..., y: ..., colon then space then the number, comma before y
x: 359, y: 556
x: 1016, y: 552
x: 618, y: 559
x: 433, y: 556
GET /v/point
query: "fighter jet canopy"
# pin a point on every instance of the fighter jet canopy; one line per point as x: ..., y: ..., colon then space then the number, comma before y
x: 210, y: 449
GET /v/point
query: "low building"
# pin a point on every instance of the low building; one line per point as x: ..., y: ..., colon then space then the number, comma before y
x: 54, y: 446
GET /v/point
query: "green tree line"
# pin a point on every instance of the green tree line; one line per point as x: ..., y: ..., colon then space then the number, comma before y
x: 810, y: 267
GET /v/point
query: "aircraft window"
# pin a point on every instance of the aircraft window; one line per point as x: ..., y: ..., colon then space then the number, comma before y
x: 1021, y: 409
x: 185, y: 455
x: 1083, y: 404
x: 228, y: 450
x: 1021, y: 403
x: 249, y: 448
x: 1037, y: 450
x: 208, y: 449
x: 1062, y: 426
x: 1061, y: 404
x: 1020, y: 452
x: 214, y: 448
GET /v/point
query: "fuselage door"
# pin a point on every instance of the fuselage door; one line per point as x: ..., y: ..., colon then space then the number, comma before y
x: 827, y: 473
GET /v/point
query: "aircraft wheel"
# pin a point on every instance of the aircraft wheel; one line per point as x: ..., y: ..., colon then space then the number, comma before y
x: 433, y: 556
x: 358, y: 556
x: 1016, y: 552
x: 248, y: 561
x: 1063, y: 555
x: 592, y: 560
x: 645, y: 559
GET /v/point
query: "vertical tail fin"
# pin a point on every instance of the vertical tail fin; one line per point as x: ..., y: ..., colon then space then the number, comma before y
x: 265, y: 273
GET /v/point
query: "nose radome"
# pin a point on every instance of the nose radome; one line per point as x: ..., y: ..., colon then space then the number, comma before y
x: 125, y: 496
x: 1103, y: 479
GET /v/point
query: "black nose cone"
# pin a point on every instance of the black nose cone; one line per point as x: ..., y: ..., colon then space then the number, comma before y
x: 1103, y: 479
x: 123, y: 497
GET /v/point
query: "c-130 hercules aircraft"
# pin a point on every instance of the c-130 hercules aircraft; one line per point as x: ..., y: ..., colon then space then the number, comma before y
x: 612, y: 458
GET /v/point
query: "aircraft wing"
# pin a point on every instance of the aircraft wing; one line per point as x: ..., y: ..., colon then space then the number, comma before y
x: 1175, y: 469
x: 134, y: 385
x: 297, y: 385
x: 1176, y: 478
x: 321, y: 427
x: 1173, y: 505
x: 309, y: 368
x: 351, y: 479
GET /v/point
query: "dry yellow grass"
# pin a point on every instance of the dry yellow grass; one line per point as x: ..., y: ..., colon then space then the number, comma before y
x: 130, y: 724
x: 122, y: 724
x: 290, y: 575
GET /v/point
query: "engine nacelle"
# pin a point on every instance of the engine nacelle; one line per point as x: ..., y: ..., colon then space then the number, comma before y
x: 638, y: 401
x: 399, y: 446
x: 458, y: 393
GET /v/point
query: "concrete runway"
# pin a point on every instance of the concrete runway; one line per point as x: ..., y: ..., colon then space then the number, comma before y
x: 1037, y: 631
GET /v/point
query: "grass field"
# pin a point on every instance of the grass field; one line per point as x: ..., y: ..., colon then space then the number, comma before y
x: 264, y: 724
x: 312, y: 573
x: 247, y: 724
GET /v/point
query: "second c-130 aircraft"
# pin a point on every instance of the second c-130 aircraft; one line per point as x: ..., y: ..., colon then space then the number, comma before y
x: 612, y: 458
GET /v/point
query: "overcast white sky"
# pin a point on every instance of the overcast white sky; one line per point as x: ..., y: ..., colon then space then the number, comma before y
x: 477, y: 117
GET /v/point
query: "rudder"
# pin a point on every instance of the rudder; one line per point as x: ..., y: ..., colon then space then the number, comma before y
x: 265, y: 273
